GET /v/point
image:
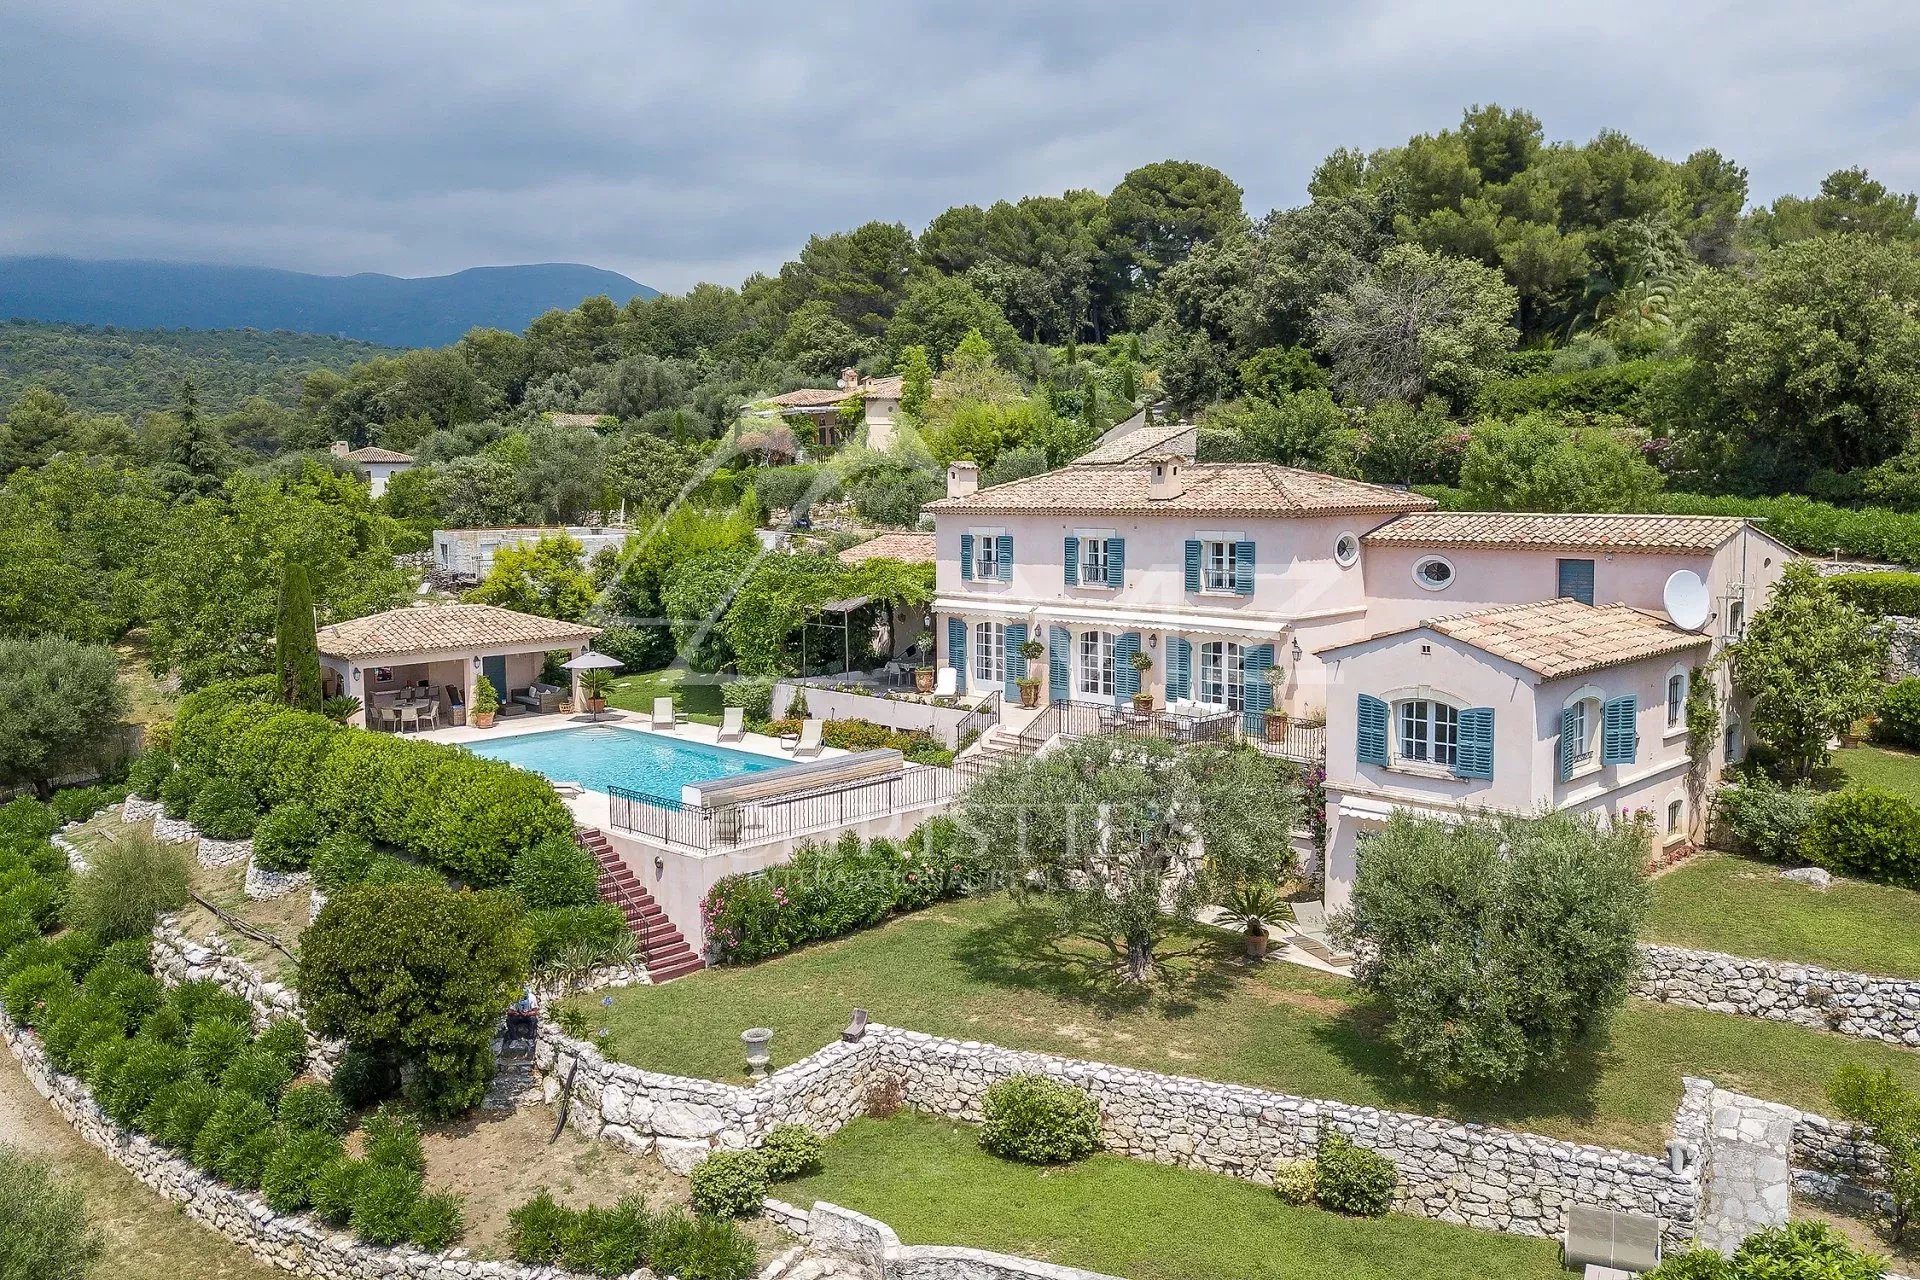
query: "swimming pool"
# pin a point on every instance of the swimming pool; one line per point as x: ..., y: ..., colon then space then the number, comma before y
x: 651, y: 764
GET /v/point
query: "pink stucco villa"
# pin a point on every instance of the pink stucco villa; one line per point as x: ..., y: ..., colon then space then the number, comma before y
x: 1459, y: 662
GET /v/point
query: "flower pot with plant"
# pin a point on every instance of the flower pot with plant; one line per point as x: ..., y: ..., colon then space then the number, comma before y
x: 486, y: 703
x: 1142, y: 664
x: 595, y: 681
x: 1275, y: 721
x: 1031, y: 651
x: 1254, y: 905
x: 923, y: 679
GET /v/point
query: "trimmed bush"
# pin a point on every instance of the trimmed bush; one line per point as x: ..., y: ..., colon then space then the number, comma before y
x: 1898, y: 722
x: 556, y: 873
x: 701, y: 1249
x: 224, y: 810
x: 180, y: 1111
x: 214, y: 1043
x: 537, y: 1230
x: 599, y: 928
x: 257, y: 1071
x: 295, y: 1167
x: 285, y: 839
x: 391, y: 1139
x: 335, y: 1188
x: 1765, y: 819
x: 312, y: 1108
x: 384, y: 1201
x: 225, y: 1146
x: 436, y: 1222
x: 207, y: 1001
x: 34, y: 994
x: 150, y: 1066
x: 129, y: 882
x: 1867, y: 832
x: 1353, y: 1179
x: 149, y: 772
x: 1039, y: 1121
x: 179, y: 789
x: 1296, y: 1182
x: 341, y: 859
x: 729, y: 1184
x: 791, y: 1150
x: 608, y: 1242
x: 1884, y: 595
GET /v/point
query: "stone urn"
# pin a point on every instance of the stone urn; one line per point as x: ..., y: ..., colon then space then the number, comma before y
x: 1029, y: 694
x: 923, y: 679
x: 759, y: 1045
x: 1275, y: 726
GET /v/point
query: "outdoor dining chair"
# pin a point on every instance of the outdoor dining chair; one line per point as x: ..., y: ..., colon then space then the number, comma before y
x: 409, y: 717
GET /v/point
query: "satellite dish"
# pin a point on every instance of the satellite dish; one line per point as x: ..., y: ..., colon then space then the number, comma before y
x: 1687, y: 601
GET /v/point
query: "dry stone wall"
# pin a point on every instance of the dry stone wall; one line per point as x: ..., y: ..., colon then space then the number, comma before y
x: 177, y: 959
x: 874, y: 1248
x: 1468, y: 1174
x: 1854, y: 1004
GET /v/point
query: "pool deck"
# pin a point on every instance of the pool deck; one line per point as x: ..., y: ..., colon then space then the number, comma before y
x: 595, y: 808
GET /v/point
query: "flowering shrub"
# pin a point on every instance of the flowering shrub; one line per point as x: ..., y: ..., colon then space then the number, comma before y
x: 836, y: 889
x: 862, y: 735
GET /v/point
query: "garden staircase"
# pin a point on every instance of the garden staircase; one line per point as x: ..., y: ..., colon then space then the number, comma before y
x: 666, y: 952
x: 995, y: 746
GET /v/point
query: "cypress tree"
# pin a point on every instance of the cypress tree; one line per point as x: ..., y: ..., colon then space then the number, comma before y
x: 296, y: 649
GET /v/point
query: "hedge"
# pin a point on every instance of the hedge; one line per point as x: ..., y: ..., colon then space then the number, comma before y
x: 1613, y: 388
x: 1816, y: 528
x: 1885, y: 595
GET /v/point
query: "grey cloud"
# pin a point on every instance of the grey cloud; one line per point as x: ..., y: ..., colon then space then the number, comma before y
x: 679, y: 142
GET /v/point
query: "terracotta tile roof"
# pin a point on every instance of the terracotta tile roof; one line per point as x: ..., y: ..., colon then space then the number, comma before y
x: 883, y: 388
x: 1141, y: 442
x: 1557, y: 638
x: 577, y: 419
x: 373, y: 453
x: 1561, y: 532
x: 432, y: 627
x: 910, y: 548
x: 1226, y: 488
x: 809, y: 397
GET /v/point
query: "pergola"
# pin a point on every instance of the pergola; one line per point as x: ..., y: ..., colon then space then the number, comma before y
x: 444, y: 649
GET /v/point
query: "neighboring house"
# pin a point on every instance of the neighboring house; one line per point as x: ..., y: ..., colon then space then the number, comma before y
x: 1457, y: 658
x: 880, y: 400
x: 466, y: 555
x: 374, y: 465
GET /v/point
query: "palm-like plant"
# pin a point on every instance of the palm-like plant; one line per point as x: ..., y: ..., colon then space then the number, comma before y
x: 596, y: 681
x: 1255, y: 906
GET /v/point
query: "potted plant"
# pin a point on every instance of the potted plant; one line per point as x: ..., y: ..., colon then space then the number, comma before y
x: 1253, y: 905
x: 486, y: 702
x: 1143, y: 700
x: 1275, y: 721
x: 596, y: 681
x: 1032, y: 651
x: 923, y: 679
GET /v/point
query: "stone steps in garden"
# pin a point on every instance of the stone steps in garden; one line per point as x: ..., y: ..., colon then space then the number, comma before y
x: 668, y: 954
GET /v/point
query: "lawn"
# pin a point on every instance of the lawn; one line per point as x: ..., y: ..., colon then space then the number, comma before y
x: 1718, y: 902
x: 929, y: 1181
x: 990, y: 970
x: 1878, y: 767
x: 696, y: 698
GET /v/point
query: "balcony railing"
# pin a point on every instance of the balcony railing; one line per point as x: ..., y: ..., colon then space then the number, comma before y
x: 780, y: 818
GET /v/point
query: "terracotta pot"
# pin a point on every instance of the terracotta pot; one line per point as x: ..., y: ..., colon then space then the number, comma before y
x: 483, y: 719
x: 1029, y: 696
x: 1143, y: 703
x: 1276, y: 726
x: 1257, y: 945
x: 596, y: 705
x: 923, y: 680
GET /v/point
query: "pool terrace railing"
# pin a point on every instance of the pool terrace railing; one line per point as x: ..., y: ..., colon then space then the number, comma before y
x: 756, y: 822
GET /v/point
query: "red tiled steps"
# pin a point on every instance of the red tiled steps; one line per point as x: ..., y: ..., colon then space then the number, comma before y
x: 667, y: 952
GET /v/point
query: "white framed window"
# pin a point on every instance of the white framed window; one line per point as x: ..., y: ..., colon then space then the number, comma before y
x: 1581, y: 726
x: 1433, y: 573
x: 1223, y: 675
x: 989, y: 652
x: 1096, y: 664
x: 1427, y: 731
x: 1676, y: 697
x: 1346, y: 550
x: 1093, y: 560
x: 1676, y: 817
x: 1736, y: 743
x: 1217, y: 562
x: 986, y: 556
x: 1737, y: 619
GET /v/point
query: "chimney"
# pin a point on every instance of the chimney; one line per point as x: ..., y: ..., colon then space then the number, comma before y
x: 849, y: 379
x: 338, y: 449
x: 963, y: 479
x: 1167, y: 478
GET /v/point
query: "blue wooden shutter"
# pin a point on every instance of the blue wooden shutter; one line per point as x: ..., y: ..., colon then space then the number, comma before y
x: 957, y: 652
x: 1126, y: 681
x: 1005, y: 565
x: 1116, y: 562
x: 1058, y: 655
x: 1243, y: 571
x: 1193, y: 564
x: 966, y: 557
x: 1016, y: 668
x: 1569, y: 745
x: 1179, y: 668
x: 1073, y: 561
x: 1576, y: 580
x: 1473, y: 757
x: 1257, y: 693
x: 1619, y: 736
x: 1370, y: 738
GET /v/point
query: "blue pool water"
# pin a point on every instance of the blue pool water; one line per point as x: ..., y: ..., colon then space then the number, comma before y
x: 598, y: 758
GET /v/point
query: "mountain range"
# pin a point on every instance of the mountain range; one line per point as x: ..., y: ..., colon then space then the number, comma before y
x: 427, y: 311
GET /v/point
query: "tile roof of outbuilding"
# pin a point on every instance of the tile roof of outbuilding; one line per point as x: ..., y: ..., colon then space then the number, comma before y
x: 910, y: 548
x: 1225, y: 488
x: 1141, y: 442
x: 1622, y: 532
x: 432, y: 628
x: 1559, y: 638
x: 374, y: 453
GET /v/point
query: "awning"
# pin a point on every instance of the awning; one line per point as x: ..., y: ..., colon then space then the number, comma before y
x: 845, y: 606
x: 1111, y: 619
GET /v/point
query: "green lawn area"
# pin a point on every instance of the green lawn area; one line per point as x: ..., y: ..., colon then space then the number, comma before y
x: 990, y: 970
x: 1719, y: 902
x: 929, y: 1181
x: 699, y: 700
x: 1878, y: 767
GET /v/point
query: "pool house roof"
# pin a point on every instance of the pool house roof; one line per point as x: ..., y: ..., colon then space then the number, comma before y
x: 441, y: 628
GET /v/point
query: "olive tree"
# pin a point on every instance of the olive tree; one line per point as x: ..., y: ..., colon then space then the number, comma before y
x: 1127, y: 837
x: 61, y: 710
x: 1496, y: 943
x: 47, y: 1235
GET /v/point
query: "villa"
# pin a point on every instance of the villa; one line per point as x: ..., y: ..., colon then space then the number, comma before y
x: 1459, y: 662
x: 880, y: 405
x: 372, y: 464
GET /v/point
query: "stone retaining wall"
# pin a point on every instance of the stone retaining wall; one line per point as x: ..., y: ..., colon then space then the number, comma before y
x: 1468, y: 1174
x: 262, y: 884
x: 177, y: 959
x: 1854, y: 1004
x: 873, y: 1246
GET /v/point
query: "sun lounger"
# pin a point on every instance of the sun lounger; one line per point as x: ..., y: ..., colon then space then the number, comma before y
x: 1310, y: 933
x: 946, y: 682
x: 733, y: 724
x: 664, y: 716
x: 809, y: 744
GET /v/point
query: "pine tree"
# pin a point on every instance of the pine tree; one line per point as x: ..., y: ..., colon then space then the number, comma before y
x: 296, y: 649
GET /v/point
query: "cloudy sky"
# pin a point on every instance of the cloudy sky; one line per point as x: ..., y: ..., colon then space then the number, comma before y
x: 702, y: 141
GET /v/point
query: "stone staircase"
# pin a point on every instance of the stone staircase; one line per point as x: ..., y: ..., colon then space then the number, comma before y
x: 515, y: 1078
x: 994, y: 747
x: 667, y: 953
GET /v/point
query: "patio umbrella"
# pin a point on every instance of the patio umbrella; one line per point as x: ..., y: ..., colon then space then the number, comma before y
x: 591, y: 661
